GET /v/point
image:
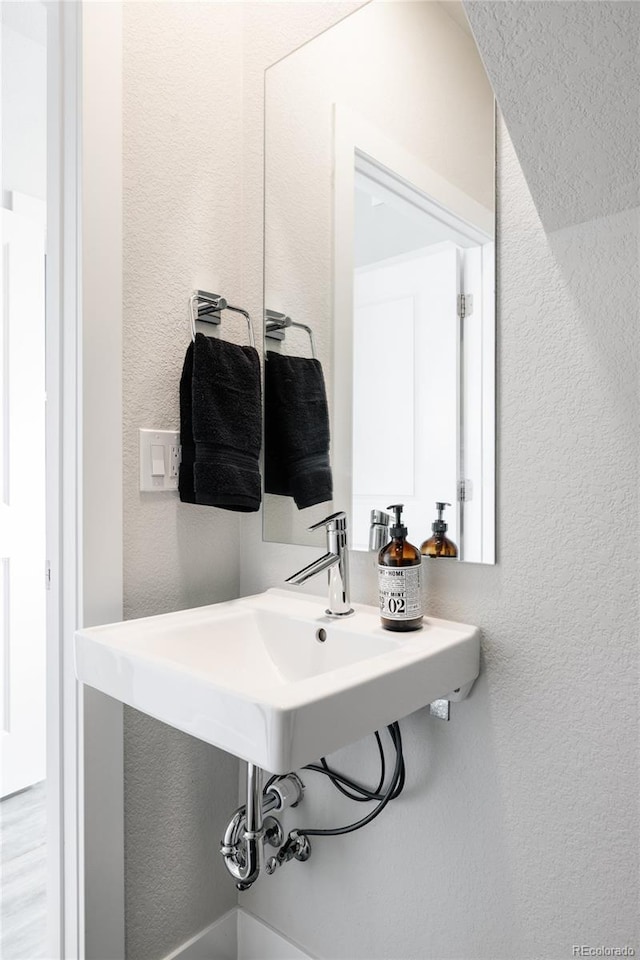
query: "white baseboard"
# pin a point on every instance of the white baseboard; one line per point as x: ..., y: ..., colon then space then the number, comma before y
x: 219, y: 941
x: 238, y: 935
x: 258, y: 941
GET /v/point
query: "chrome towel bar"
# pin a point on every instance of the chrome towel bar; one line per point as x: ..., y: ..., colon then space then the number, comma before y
x: 208, y: 307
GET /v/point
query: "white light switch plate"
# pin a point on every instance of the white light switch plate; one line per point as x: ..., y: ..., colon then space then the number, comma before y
x: 160, y: 455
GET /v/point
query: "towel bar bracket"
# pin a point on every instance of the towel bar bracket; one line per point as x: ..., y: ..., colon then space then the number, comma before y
x: 208, y: 314
x: 207, y: 308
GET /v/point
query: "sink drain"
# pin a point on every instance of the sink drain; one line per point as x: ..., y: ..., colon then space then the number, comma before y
x: 321, y: 635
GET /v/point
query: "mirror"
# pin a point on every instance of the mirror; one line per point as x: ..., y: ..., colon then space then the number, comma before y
x: 379, y: 279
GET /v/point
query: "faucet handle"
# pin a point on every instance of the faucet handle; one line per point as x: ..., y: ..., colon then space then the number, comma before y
x: 336, y: 521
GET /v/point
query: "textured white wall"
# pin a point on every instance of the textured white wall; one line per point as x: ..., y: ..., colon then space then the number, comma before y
x: 517, y: 836
x: 182, y: 197
x: 571, y: 104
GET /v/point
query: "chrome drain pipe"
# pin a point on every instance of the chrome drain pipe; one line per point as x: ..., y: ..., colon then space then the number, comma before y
x: 243, y: 858
x: 243, y: 845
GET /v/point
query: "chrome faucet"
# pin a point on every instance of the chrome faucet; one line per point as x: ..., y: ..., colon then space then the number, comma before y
x: 336, y: 561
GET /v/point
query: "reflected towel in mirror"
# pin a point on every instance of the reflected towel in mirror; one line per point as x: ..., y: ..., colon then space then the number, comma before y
x: 296, y: 430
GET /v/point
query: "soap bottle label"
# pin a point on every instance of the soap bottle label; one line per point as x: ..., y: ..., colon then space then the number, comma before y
x: 400, y: 597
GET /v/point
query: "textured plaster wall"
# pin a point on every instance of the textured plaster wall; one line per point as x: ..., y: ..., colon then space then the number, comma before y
x: 517, y: 836
x: 571, y: 105
x: 182, y: 197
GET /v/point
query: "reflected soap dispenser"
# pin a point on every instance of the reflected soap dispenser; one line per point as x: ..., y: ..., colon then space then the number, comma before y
x: 439, y: 545
x: 399, y: 579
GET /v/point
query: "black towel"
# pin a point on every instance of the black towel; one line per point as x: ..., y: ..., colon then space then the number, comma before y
x: 220, y: 425
x: 296, y: 430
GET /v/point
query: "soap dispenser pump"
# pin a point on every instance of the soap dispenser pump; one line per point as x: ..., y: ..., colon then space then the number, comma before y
x: 439, y: 545
x: 399, y: 579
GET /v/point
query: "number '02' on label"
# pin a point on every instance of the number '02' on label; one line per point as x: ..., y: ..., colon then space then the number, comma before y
x: 399, y: 588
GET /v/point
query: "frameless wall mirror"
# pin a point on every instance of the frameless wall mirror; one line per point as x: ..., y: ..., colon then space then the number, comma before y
x: 379, y: 278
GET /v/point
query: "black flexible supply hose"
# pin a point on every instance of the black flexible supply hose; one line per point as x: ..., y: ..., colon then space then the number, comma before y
x: 393, y: 790
x: 364, y: 794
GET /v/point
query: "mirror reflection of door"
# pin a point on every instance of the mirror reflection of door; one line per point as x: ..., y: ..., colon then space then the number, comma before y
x: 416, y: 384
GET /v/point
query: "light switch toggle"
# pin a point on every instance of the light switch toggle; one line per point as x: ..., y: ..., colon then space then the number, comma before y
x: 157, y: 460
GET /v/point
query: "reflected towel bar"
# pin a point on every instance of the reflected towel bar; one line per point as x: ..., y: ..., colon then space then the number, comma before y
x: 276, y: 324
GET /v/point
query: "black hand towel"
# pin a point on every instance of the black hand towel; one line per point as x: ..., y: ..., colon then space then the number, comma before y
x: 296, y: 430
x: 220, y: 425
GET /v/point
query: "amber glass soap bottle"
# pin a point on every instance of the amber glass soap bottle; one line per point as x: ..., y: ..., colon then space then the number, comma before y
x: 399, y: 579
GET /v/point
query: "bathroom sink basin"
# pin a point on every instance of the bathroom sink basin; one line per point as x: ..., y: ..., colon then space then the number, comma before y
x: 271, y: 678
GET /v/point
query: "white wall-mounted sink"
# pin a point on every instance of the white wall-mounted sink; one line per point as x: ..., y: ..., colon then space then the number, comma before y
x: 252, y: 677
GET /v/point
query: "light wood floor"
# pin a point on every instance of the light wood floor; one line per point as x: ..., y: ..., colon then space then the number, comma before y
x: 23, y: 864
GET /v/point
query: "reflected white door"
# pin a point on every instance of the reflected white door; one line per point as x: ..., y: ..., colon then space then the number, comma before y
x: 22, y: 504
x: 405, y: 414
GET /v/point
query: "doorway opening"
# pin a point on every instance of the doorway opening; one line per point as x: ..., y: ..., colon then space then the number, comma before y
x: 23, y: 571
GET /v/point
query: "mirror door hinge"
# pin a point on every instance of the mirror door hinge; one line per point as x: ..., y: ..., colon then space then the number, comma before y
x: 465, y: 490
x: 47, y: 576
x: 465, y: 305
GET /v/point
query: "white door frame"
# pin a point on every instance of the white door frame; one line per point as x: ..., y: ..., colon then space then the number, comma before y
x: 84, y: 497
x: 65, y: 906
x: 101, y: 441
